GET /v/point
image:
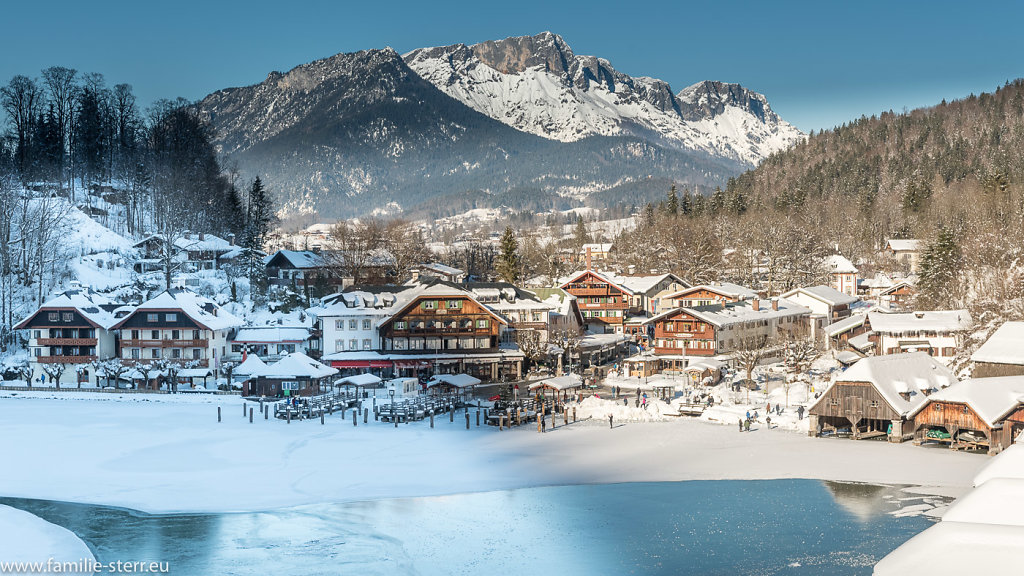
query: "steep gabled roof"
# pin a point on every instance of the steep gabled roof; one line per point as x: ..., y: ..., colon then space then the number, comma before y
x: 931, y: 321
x: 603, y: 276
x: 726, y: 289
x: 839, y: 264
x: 295, y: 365
x: 992, y: 399
x: 914, y: 374
x: 825, y: 294
x: 199, y: 309
x: 1004, y: 346
x: 96, y: 308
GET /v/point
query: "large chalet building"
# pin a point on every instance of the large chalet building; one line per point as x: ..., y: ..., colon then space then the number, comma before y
x: 719, y: 329
x: 73, y: 329
x: 939, y: 333
x: 604, y: 302
x: 178, y: 326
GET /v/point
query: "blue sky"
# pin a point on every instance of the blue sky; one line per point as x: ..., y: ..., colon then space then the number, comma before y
x: 819, y: 63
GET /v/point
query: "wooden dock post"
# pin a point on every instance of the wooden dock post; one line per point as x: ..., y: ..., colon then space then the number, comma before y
x: 321, y: 417
x: 540, y: 418
x: 243, y: 409
x: 218, y: 413
x: 366, y: 414
x: 519, y: 416
x: 266, y: 411
x: 343, y: 413
x: 477, y: 417
x: 467, y: 420
x: 574, y: 414
x: 431, y: 418
x: 355, y: 418
x: 501, y: 422
x: 250, y: 415
x: 451, y: 414
x: 376, y: 411
x: 288, y: 411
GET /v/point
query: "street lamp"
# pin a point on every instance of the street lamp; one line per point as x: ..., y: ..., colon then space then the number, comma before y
x: 391, y: 393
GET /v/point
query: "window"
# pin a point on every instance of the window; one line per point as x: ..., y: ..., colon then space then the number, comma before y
x: 136, y: 353
x: 874, y: 404
x: 285, y: 348
x: 175, y: 334
x: 401, y: 325
x: 53, y: 316
x: 175, y: 353
x: 353, y: 344
x: 401, y: 344
x: 454, y: 304
x: 37, y: 351
x: 833, y: 401
x: 236, y: 347
x: 536, y: 317
x: 366, y: 324
x: 196, y: 335
x: 152, y: 317
x: 339, y: 324
x: 155, y: 353
x: 430, y: 304
x: 35, y: 334
x: 483, y: 342
x: 197, y: 353
x: 937, y: 407
x: 483, y: 323
x: 172, y: 317
x: 69, y: 317
x: 154, y: 335
x: 353, y: 325
x: 135, y: 334
x: 366, y: 343
x: 339, y: 345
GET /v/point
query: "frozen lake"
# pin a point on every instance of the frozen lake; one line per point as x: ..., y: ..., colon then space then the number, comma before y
x: 760, y: 527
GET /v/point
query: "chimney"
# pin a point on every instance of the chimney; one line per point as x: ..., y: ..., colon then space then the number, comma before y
x: 202, y: 236
x: 588, y: 258
x: 756, y: 304
x: 231, y: 238
x: 775, y: 304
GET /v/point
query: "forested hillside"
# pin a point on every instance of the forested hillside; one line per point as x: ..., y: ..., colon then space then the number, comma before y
x: 953, y: 171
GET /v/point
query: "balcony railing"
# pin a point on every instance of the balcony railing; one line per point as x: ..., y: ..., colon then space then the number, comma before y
x: 164, y: 343
x: 428, y: 331
x: 578, y: 290
x: 200, y: 363
x: 65, y: 359
x: 66, y: 342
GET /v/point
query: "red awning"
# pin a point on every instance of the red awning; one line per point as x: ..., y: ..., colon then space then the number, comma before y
x: 380, y: 364
x: 350, y: 363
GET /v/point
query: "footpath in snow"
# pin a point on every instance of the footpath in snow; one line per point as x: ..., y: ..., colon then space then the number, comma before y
x: 162, y: 453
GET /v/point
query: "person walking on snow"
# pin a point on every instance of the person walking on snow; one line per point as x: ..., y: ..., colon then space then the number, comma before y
x: 746, y: 425
x: 800, y: 413
x: 748, y: 414
x: 741, y: 424
x: 768, y: 421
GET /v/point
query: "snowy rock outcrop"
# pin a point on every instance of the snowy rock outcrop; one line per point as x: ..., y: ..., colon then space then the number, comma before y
x: 537, y: 85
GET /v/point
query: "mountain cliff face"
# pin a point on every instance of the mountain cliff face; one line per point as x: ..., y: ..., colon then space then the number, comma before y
x: 536, y: 84
x: 521, y: 122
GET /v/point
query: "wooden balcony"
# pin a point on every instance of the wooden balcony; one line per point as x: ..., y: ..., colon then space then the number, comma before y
x: 442, y: 332
x: 605, y: 305
x: 66, y: 342
x: 582, y: 290
x: 164, y: 343
x: 64, y: 359
x: 200, y: 363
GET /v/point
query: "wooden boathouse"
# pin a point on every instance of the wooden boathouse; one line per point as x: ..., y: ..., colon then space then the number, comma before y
x: 976, y: 414
x: 873, y: 398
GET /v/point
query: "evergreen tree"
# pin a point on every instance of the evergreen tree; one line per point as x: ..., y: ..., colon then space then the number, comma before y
x: 509, y: 261
x: 580, y: 235
x: 672, y: 204
x: 259, y: 217
x: 686, y: 204
x: 717, y: 203
x: 941, y: 264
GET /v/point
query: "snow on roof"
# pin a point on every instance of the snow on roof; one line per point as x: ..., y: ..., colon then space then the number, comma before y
x: 705, y: 364
x: 380, y: 302
x: 991, y: 398
x: 895, y: 374
x: 251, y: 364
x: 365, y: 379
x: 1007, y: 464
x: 880, y: 280
x: 743, y: 311
x: 643, y: 284
x: 862, y: 342
x: 724, y: 288
x: 559, y: 382
x: 93, y: 306
x: 957, y: 548
x: 200, y: 309
x: 847, y: 357
x: 999, y: 501
x: 443, y: 269
x: 301, y: 259
x: 295, y: 365
x: 840, y: 264
x: 931, y: 321
x: 203, y: 242
x: 457, y: 380
x: 272, y: 334
x: 904, y: 245
x: 1004, y: 346
x: 603, y: 247
x: 607, y: 277
x: 836, y: 328
x: 825, y: 294
x: 195, y: 373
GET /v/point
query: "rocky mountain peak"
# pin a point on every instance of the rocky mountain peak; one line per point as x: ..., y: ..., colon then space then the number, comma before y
x: 709, y: 98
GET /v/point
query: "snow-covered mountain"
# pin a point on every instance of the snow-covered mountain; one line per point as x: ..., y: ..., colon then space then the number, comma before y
x: 536, y: 84
x: 520, y: 122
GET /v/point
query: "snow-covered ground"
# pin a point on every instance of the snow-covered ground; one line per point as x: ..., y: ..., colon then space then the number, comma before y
x: 26, y: 538
x: 161, y: 453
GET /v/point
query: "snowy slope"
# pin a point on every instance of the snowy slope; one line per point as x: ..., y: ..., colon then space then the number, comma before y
x: 537, y: 85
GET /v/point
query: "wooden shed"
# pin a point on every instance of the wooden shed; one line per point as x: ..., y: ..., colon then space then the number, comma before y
x: 1002, y: 354
x: 978, y: 414
x: 873, y: 398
